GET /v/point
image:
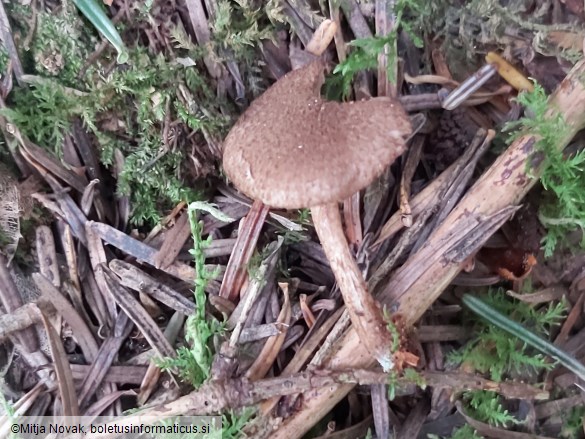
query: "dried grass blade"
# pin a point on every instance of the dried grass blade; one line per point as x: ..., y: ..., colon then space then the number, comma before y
x: 573, y: 317
x: 173, y: 243
x: 68, y: 209
x: 271, y: 348
x: 357, y: 22
x: 139, y: 250
x: 412, y: 161
x: 384, y: 19
x: 21, y: 407
x: 339, y: 41
x: 259, y: 332
x: 21, y: 318
x: 415, y: 420
x: 240, y: 315
x: 40, y: 159
x: 203, y: 35
x: 82, y: 333
x: 126, y: 374
x: 70, y: 254
x: 103, y: 403
x: 380, y: 409
x: 542, y: 296
x: 11, y: 301
x: 88, y: 197
x: 352, y: 219
x: 138, y: 315
x: 430, y: 196
x: 63, y: 371
x: 306, y: 310
x: 235, y: 273
x: 97, y: 256
x: 299, y: 27
x: 154, y: 372
x: 134, y: 278
x: 105, y: 357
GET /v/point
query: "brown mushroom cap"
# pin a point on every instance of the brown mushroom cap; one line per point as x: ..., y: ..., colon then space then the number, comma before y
x: 292, y: 149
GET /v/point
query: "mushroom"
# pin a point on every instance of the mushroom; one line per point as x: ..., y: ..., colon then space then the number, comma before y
x: 292, y: 149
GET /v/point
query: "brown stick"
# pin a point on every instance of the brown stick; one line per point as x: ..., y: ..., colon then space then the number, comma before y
x: 418, y: 283
x: 11, y: 300
x: 217, y: 396
x: 235, y: 272
x: 21, y: 318
x: 322, y: 37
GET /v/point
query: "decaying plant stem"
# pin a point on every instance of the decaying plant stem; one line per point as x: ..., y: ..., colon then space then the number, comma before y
x: 418, y: 283
x: 217, y: 396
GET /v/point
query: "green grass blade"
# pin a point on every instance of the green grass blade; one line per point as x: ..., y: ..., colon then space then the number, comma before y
x: 503, y: 322
x: 95, y: 14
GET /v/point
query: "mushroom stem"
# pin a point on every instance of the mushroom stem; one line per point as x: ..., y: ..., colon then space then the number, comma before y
x: 365, y: 314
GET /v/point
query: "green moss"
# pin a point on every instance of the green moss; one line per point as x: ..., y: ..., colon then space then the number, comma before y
x: 492, y: 351
x: 139, y: 96
x: 3, y: 59
x: 485, y: 406
x: 563, y: 207
x: 573, y: 423
x: 61, y: 44
x: 365, y: 51
x: 237, y: 32
x: 465, y: 432
x: 193, y: 362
